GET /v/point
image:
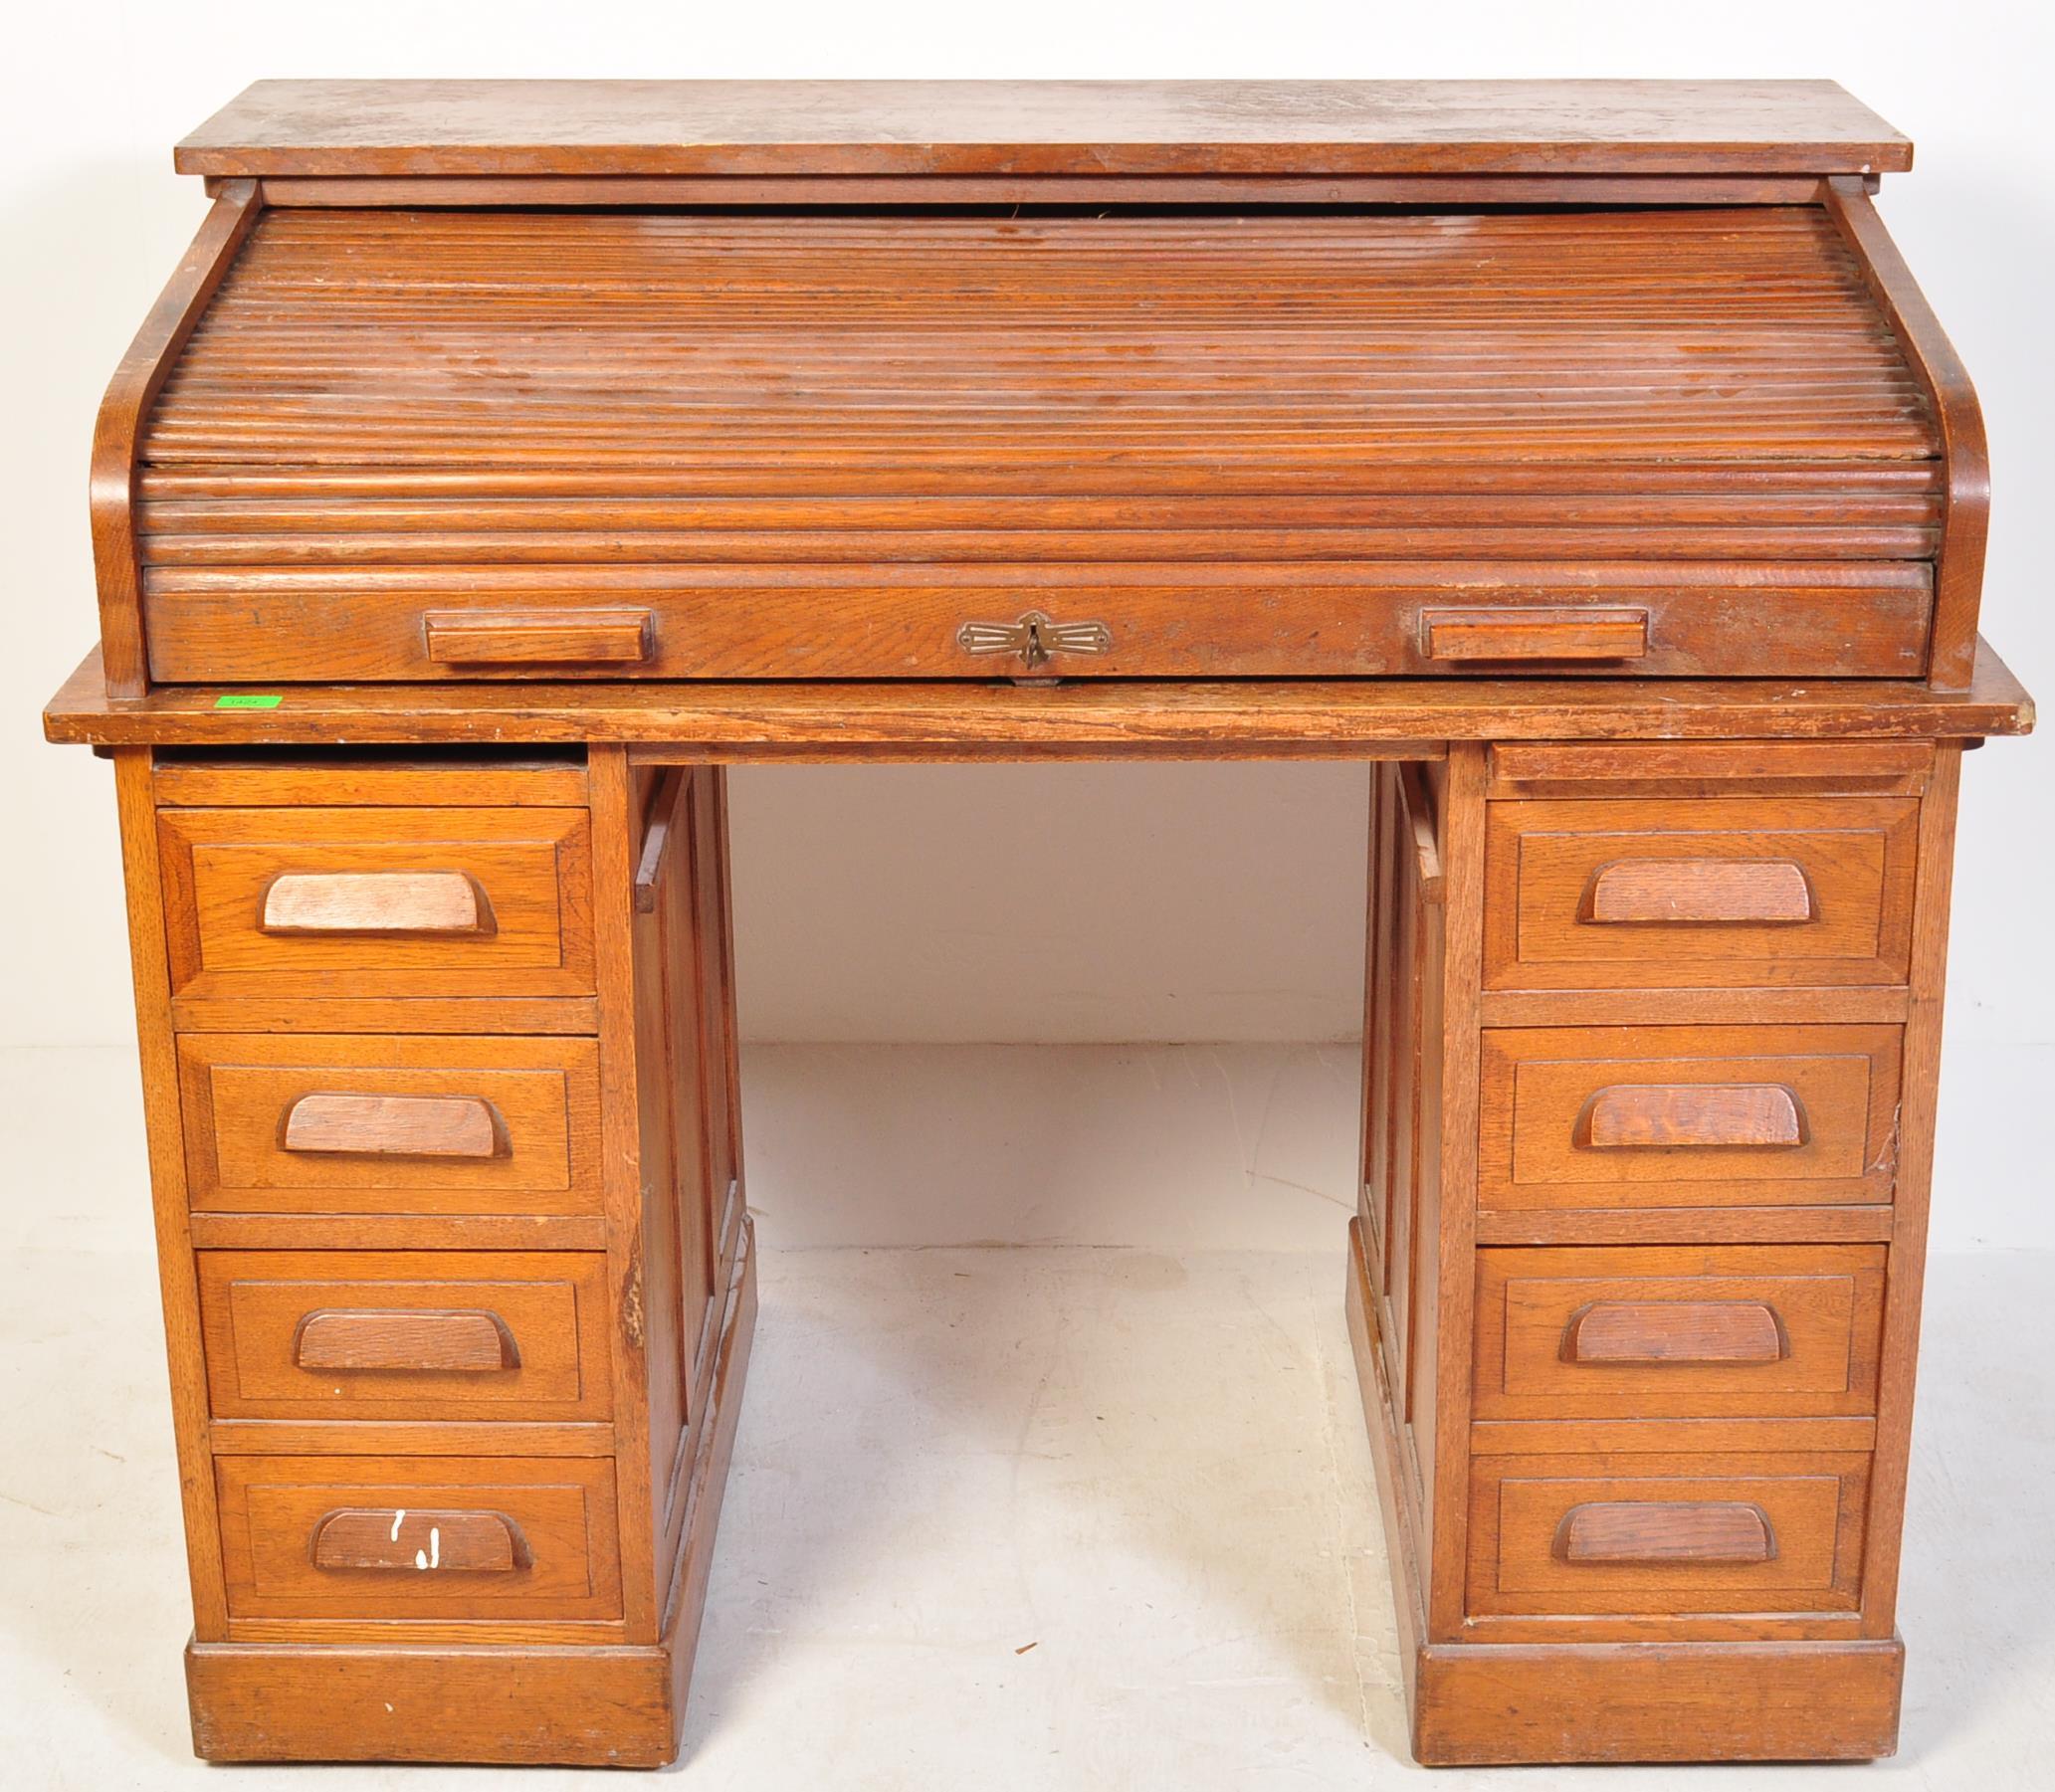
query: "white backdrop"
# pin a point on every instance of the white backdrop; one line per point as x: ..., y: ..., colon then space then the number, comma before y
x: 1189, y: 902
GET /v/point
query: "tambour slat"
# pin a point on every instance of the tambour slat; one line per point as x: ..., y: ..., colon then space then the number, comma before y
x: 386, y: 406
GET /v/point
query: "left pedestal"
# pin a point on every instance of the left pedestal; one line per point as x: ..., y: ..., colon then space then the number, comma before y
x: 439, y: 1061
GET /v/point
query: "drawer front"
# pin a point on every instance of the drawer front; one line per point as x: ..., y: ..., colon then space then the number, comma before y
x: 420, y: 901
x: 1679, y: 1333
x: 442, y: 1537
x: 1071, y: 615
x: 1687, y: 1117
x: 414, y: 1334
x: 1679, y: 1535
x: 375, y: 1123
x: 1724, y: 893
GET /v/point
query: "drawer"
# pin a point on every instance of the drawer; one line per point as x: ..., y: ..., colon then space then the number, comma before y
x: 405, y: 1334
x: 287, y: 902
x: 1723, y: 893
x: 382, y: 1537
x: 1195, y: 615
x: 1687, y: 1117
x: 376, y: 1123
x: 1680, y: 1536
x: 1679, y: 1333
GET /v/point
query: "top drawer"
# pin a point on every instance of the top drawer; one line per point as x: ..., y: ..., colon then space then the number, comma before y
x: 377, y: 902
x: 1710, y: 892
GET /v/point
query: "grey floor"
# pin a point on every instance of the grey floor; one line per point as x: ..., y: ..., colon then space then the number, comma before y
x: 1059, y: 1517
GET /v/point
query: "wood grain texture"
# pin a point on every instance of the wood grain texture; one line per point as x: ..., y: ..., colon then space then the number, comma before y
x: 1638, y: 1532
x: 1711, y: 768
x: 1630, y: 892
x: 1661, y: 1116
x: 117, y: 430
x: 1725, y: 891
x: 1205, y: 619
x: 1679, y: 1331
x: 1853, y: 1222
x: 424, y: 901
x: 730, y: 723
x: 1540, y: 1084
x: 624, y: 1174
x: 477, y: 777
x: 1499, y: 1704
x: 1594, y: 633
x: 275, y: 1508
x: 375, y: 903
x: 1449, y: 1247
x: 1671, y: 1566
x: 238, y: 1090
x: 519, y: 1702
x: 1042, y: 127
x: 426, y: 1335
x: 461, y: 1340
x: 1690, y: 1331
x: 395, y: 1126
x: 1916, y: 1119
x: 538, y: 1703
x: 1286, y: 410
x: 418, y: 1541
x: 1967, y: 521
x: 171, y: 1194
x: 527, y: 192
x: 520, y: 637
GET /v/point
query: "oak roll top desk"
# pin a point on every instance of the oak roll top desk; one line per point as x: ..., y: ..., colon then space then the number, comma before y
x: 507, y: 459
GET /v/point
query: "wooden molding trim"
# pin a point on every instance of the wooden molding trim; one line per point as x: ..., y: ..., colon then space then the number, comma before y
x: 1959, y: 571
x: 715, y: 722
x: 477, y: 191
x: 117, y: 430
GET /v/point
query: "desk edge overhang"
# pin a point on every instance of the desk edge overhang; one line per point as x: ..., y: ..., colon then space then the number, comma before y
x: 818, y: 721
x: 328, y: 129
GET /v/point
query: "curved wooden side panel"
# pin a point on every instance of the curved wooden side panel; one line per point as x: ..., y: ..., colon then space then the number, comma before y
x: 118, y: 427
x: 1959, y: 571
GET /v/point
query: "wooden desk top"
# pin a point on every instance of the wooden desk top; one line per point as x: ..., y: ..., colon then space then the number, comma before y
x: 962, y: 128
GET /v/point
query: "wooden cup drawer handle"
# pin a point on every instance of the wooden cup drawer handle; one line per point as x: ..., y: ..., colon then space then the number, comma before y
x: 1673, y: 1331
x: 1535, y: 633
x: 399, y: 1538
x: 1630, y: 1533
x: 376, y: 901
x: 537, y: 637
x: 1653, y: 1117
x: 395, y: 1126
x: 1694, y: 891
x: 462, y: 1342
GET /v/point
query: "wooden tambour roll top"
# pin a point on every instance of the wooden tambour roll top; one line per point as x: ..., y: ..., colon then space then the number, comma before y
x: 620, y: 424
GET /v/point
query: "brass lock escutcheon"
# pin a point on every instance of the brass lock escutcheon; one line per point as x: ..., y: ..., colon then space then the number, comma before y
x: 1035, y: 638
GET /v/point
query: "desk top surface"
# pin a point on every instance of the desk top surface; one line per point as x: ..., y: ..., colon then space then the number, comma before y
x: 821, y: 128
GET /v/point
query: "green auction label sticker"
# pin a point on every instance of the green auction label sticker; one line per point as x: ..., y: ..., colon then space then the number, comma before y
x: 247, y: 699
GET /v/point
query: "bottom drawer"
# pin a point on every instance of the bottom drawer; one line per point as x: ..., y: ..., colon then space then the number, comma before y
x: 1676, y: 1535
x: 486, y: 1537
